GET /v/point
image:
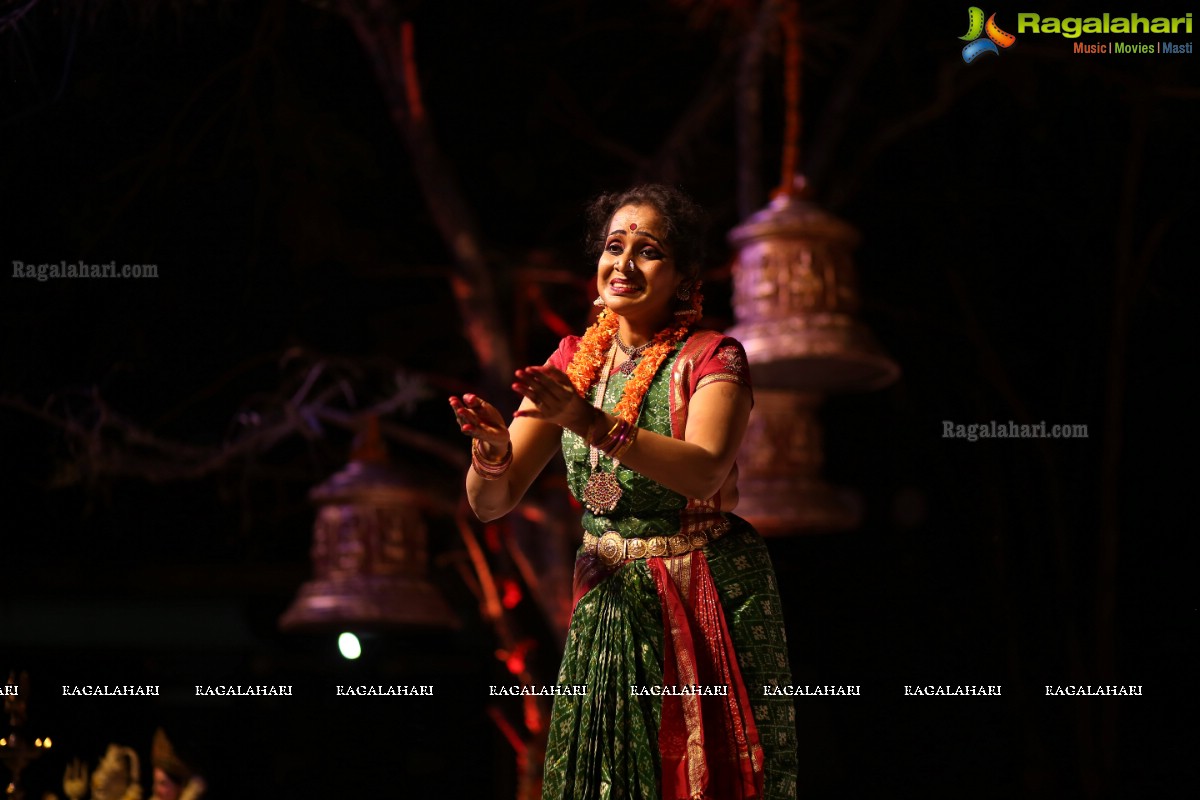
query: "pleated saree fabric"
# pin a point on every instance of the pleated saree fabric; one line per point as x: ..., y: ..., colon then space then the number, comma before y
x: 708, y: 619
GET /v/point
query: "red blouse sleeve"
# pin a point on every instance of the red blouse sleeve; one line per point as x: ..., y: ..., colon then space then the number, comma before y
x: 561, y: 357
x: 707, y: 357
x: 723, y: 360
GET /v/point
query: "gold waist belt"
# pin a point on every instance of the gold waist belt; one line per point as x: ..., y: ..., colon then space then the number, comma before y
x: 612, y: 548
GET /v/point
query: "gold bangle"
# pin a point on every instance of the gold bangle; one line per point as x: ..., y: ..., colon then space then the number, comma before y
x: 595, y: 441
x: 615, y: 436
x: 624, y: 443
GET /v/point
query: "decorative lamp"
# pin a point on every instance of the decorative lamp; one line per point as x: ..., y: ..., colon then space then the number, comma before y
x: 795, y: 302
x: 369, y: 553
x: 795, y: 296
x: 780, y: 489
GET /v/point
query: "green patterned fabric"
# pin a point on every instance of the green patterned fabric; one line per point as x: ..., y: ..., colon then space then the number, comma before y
x: 745, y: 579
x: 646, y: 508
x: 604, y: 746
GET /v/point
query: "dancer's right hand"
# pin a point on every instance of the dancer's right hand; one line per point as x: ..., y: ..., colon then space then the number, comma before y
x: 481, y: 420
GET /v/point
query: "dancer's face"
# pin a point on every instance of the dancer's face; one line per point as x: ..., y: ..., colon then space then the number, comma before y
x: 636, y: 274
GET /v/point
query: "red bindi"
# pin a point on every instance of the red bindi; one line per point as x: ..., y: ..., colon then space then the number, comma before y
x: 633, y: 226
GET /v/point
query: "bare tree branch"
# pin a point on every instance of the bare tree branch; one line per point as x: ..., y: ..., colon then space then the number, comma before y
x: 673, y: 154
x: 950, y: 88
x: 748, y: 111
x: 568, y: 113
x: 833, y: 120
x: 389, y: 43
x: 105, y: 444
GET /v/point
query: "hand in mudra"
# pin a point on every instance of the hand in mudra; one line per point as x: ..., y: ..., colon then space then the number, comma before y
x: 554, y: 398
x: 480, y: 420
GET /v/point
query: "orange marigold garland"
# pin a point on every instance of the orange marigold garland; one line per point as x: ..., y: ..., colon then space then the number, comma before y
x: 630, y: 404
x: 593, y: 349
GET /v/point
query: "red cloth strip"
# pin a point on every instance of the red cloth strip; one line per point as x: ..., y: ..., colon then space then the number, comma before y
x: 709, y: 744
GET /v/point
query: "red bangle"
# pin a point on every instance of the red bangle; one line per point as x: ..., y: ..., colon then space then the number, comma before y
x: 490, y: 470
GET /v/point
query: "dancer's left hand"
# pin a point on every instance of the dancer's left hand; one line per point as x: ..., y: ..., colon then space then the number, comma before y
x: 554, y: 399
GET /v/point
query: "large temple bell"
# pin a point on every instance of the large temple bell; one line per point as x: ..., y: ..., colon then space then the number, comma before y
x: 795, y: 300
x: 369, y: 551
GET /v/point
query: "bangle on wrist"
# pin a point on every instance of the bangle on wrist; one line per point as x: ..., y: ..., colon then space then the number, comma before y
x: 606, y: 440
x: 609, y: 439
x: 619, y: 449
x: 598, y: 421
x: 490, y: 470
x: 619, y: 439
x: 594, y: 436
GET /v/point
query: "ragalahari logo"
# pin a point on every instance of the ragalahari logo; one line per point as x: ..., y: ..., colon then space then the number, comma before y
x: 996, y: 38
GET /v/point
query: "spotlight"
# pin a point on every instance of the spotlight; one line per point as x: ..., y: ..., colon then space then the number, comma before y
x: 349, y: 646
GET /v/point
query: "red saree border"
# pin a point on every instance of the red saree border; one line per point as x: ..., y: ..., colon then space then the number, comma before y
x: 709, y: 744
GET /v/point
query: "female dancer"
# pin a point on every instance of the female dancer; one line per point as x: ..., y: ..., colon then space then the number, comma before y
x: 677, y: 625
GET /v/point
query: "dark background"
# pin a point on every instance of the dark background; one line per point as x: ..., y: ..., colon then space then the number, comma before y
x: 1026, y: 227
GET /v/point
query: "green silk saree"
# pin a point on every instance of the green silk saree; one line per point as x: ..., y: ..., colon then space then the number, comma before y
x: 704, y: 619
